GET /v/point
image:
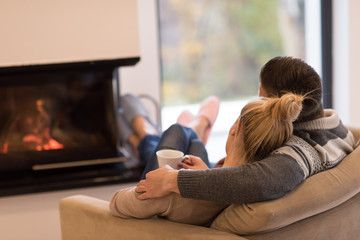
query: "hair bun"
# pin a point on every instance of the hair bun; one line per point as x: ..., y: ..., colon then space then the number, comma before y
x: 290, y: 106
x: 268, y: 123
x: 286, y: 108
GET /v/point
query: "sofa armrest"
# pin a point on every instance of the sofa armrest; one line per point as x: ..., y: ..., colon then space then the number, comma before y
x: 84, y: 217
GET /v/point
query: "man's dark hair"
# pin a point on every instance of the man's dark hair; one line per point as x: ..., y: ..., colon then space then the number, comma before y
x: 282, y: 75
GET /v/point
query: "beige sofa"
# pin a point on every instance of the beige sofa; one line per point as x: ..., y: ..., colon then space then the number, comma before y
x: 325, y: 206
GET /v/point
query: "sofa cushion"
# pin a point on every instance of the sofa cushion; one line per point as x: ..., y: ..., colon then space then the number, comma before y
x: 316, y: 194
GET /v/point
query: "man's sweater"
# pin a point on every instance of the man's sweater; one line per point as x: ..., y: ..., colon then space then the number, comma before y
x: 315, y: 146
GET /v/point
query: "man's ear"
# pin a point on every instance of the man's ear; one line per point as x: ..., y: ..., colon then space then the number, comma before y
x: 262, y: 92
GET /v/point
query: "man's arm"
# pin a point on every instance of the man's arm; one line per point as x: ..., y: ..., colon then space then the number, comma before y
x: 267, y: 179
x: 264, y: 180
x: 158, y: 183
x: 163, y: 181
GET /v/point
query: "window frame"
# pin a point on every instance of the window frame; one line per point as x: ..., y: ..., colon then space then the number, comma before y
x: 327, y: 52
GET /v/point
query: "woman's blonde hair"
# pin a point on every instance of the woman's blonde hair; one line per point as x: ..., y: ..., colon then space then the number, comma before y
x: 267, y: 123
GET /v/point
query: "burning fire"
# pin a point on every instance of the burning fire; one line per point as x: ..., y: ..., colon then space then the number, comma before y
x: 40, y: 134
x: 43, y: 141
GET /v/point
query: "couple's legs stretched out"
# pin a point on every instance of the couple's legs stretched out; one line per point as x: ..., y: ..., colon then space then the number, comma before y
x: 188, y: 136
x: 190, y: 140
x: 125, y: 204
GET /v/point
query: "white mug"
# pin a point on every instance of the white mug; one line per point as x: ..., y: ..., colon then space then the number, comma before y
x: 169, y: 157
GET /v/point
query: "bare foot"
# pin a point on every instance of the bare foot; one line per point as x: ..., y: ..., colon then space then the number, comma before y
x: 203, y: 122
x: 142, y: 127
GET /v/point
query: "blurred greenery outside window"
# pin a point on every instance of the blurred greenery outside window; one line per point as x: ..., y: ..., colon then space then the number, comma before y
x: 212, y: 47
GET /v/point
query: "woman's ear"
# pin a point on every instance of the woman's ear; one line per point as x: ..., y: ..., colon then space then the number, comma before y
x: 233, y: 129
x: 238, y: 126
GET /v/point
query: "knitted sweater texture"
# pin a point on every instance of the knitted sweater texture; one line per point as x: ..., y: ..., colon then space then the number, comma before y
x: 315, y: 146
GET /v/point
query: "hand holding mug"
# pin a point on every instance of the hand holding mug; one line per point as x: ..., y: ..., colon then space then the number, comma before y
x: 192, y: 162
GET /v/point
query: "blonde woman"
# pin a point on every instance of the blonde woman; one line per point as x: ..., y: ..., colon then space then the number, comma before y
x: 264, y: 125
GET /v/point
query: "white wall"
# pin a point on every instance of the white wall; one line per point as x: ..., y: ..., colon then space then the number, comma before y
x: 313, y: 34
x: 354, y: 53
x: 346, y: 53
x: 144, y: 78
x: 52, y: 31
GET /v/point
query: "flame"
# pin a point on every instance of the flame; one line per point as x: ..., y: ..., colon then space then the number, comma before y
x: 43, y: 141
x: 4, y: 148
x: 40, y: 131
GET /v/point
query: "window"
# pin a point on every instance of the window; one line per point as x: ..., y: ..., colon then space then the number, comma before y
x: 211, y: 47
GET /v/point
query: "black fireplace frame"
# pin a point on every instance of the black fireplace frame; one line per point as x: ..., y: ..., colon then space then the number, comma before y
x: 78, y: 173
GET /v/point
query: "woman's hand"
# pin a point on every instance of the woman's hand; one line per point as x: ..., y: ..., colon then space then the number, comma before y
x: 192, y: 162
x: 158, y: 183
x: 220, y: 163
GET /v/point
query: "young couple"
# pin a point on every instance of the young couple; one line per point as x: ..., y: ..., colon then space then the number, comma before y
x: 278, y: 141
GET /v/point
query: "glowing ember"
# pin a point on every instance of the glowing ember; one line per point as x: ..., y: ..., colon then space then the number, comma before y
x: 43, y: 141
x: 4, y: 148
x: 39, y: 135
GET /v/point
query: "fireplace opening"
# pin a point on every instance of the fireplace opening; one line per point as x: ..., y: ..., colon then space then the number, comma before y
x: 58, y: 130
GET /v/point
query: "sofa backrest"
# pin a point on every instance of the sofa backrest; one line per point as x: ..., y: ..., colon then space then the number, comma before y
x: 317, y: 194
x: 356, y: 132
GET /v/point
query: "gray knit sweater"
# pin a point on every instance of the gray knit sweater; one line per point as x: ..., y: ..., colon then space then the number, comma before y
x: 315, y: 146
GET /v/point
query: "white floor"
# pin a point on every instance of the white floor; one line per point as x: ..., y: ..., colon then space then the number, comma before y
x: 36, y: 216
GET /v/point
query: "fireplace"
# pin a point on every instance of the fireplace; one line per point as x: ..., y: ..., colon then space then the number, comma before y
x: 58, y: 127
x: 59, y: 93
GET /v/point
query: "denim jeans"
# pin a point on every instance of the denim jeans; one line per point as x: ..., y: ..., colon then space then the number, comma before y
x: 175, y: 137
